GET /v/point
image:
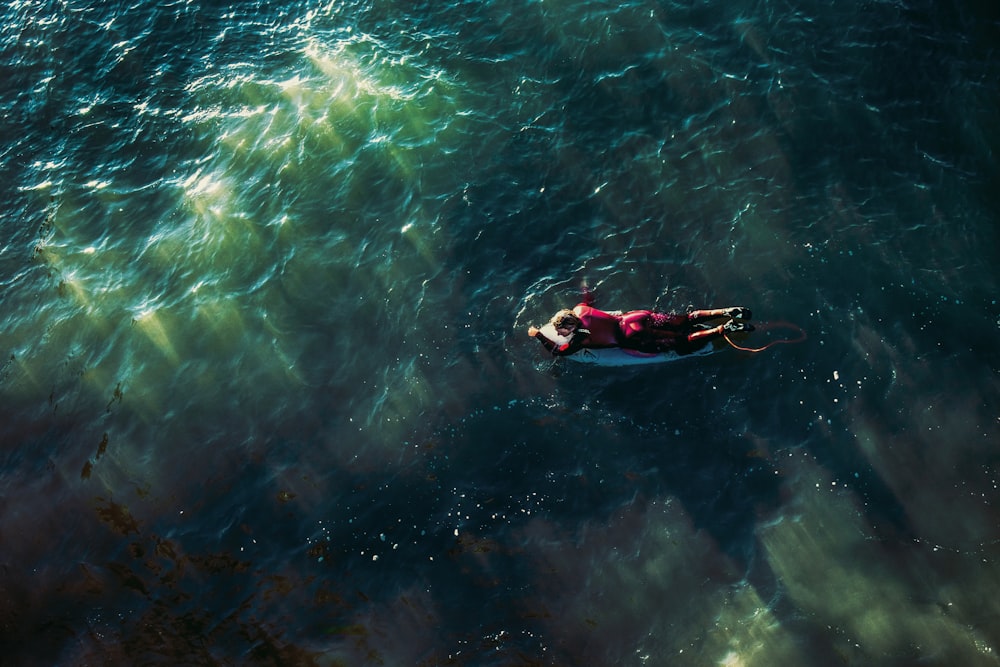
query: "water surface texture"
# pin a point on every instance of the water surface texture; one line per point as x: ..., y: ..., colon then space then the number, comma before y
x: 266, y: 394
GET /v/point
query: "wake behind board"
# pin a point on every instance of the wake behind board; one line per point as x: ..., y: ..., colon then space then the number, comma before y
x: 616, y: 356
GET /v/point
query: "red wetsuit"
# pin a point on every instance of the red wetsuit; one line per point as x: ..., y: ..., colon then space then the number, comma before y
x: 641, y: 330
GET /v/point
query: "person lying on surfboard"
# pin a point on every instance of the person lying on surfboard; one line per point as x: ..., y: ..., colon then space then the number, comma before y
x: 587, y: 327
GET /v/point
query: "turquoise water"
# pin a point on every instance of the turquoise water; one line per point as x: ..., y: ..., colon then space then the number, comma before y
x: 267, y: 394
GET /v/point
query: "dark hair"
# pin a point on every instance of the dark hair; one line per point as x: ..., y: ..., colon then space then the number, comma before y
x: 565, y: 318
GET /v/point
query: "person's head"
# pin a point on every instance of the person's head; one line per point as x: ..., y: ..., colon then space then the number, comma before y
x: 565, y: 322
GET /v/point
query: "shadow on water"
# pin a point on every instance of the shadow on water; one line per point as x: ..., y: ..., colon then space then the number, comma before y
x: 682, y: 431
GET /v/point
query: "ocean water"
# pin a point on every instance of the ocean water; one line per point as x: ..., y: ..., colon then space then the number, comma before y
x: 266, y: 394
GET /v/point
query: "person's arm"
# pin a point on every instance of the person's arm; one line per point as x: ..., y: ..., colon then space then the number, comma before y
x: 574, y: 344
x: 534, y: 332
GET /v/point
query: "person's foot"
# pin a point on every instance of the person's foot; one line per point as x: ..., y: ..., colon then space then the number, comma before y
x: 733, y: 326
x: 739, y: 313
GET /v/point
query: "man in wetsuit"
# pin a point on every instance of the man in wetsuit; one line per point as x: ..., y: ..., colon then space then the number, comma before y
x: 641, y: 330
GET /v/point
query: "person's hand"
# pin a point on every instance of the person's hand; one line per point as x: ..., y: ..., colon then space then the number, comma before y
x: 532, y: 331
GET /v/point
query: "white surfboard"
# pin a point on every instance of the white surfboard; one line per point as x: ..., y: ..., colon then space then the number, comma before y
x: 616, y: 356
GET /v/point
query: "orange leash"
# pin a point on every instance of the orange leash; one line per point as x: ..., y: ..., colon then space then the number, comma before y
x: 766, y: 326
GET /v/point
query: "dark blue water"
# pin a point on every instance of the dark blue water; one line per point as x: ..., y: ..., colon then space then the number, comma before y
x: 266, y: 272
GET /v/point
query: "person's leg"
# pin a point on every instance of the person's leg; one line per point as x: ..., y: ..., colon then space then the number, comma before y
x: 646, y: 330
x: 732, y: 312
x: 732, y: 326
x: 705, y: 335
x: 673, y: 331
x: 668, y: 321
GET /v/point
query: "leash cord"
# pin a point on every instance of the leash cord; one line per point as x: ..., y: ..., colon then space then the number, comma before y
x: 768, y: 326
